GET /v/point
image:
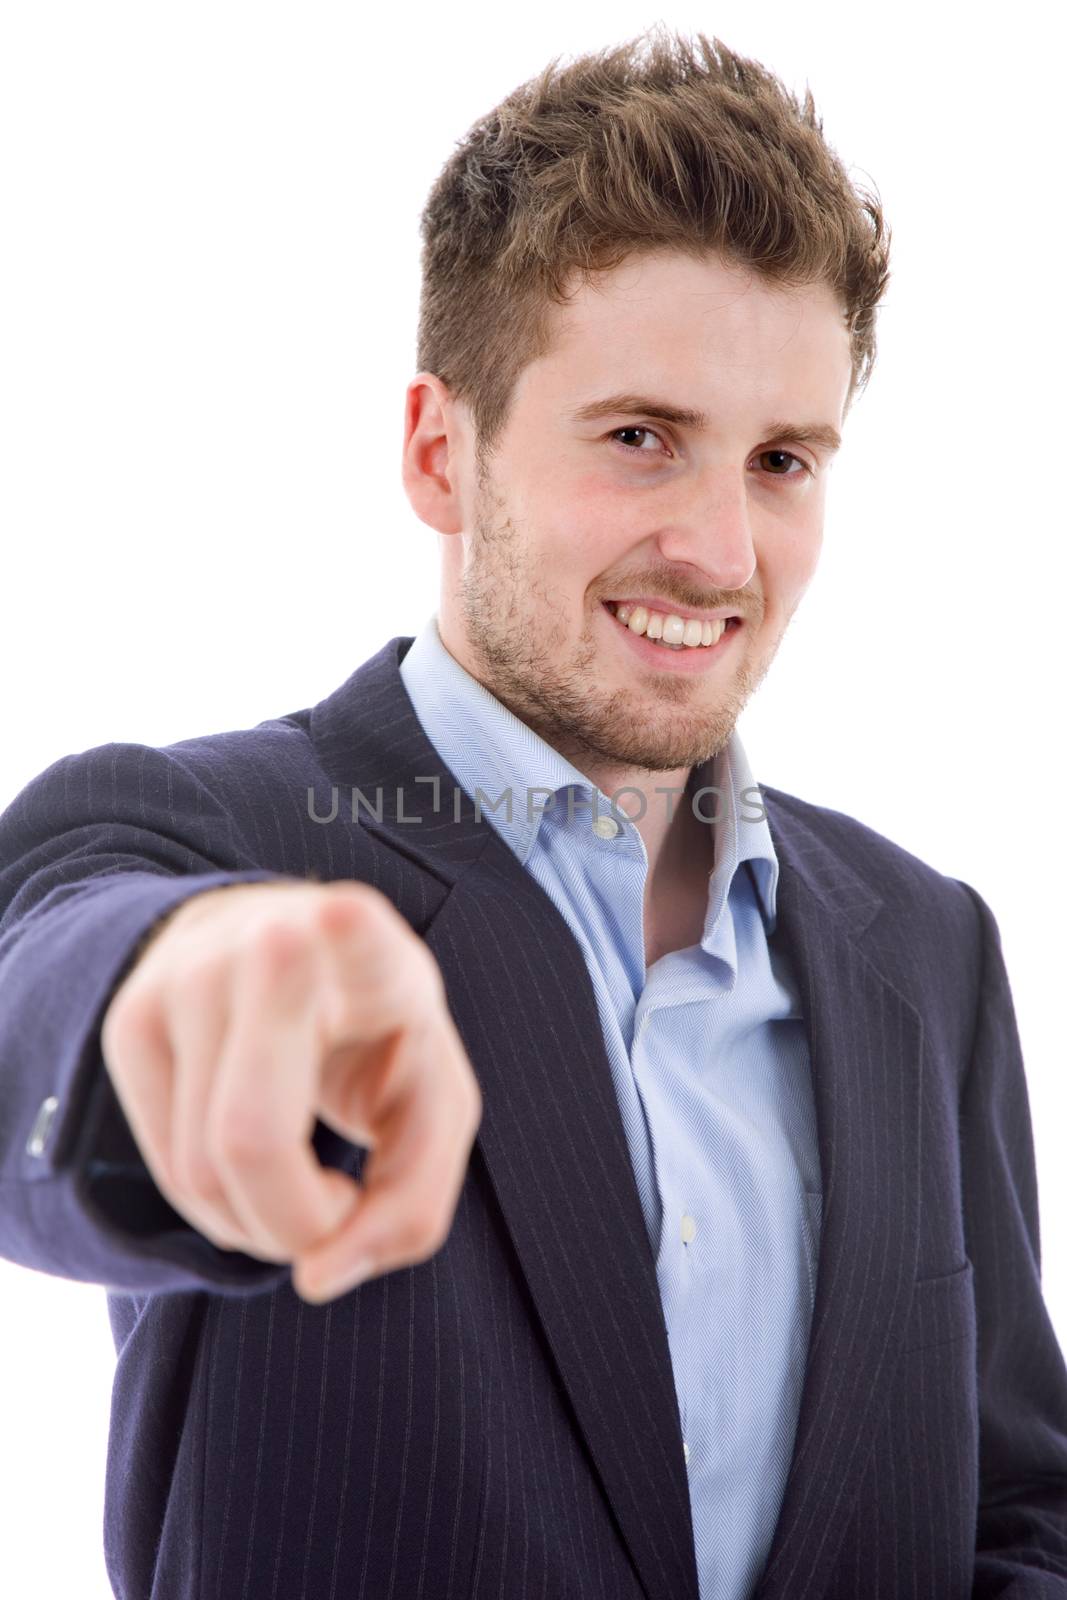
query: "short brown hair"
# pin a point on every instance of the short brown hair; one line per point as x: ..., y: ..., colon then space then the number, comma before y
x: 684, y: 146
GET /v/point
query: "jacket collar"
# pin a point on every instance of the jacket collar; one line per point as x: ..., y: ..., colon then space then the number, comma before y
x: 368, y: 736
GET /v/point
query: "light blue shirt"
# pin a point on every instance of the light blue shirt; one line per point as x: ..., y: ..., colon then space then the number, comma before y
x: 711, y: 1067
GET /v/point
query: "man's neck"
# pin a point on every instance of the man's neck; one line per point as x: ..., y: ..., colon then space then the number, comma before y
x: 679, y: 846
x: 676, y: 890
x: 658, y: 805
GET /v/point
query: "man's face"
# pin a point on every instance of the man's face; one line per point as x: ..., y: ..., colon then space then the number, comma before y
x: 697, y: 519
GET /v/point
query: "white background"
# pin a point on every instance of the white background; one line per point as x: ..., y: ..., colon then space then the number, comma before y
x: 208, y: 296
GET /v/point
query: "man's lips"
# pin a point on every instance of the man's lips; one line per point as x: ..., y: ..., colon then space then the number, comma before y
x: 691, y: 658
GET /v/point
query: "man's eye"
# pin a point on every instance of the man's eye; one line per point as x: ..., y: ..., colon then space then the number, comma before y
x: 787, y: 455
x: 635, y: 449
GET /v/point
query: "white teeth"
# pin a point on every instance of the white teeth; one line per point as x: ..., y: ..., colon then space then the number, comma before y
x: 680, y: 632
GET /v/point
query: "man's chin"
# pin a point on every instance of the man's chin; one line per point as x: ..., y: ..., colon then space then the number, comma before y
x: 661, y: 749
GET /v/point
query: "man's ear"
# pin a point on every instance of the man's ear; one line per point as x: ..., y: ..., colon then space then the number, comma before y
x: 431, y: 454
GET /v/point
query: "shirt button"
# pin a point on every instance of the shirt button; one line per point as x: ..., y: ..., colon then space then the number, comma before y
x: 685, y: 1452
x: 605, y: 827
x: 689, y: 1229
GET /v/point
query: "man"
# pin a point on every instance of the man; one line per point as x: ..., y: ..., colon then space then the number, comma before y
x: 526, y: 1157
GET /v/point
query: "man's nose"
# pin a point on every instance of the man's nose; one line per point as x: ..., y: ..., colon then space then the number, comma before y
x: 713, y: 534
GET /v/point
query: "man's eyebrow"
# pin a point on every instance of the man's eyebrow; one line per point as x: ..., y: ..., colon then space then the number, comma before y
x: 820, y: 433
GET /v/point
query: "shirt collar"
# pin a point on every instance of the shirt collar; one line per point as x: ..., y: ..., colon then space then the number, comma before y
x: 487, y: 747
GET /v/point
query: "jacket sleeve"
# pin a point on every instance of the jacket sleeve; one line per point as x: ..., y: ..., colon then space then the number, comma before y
x: 1021, y: 1536
x: 94, y: 851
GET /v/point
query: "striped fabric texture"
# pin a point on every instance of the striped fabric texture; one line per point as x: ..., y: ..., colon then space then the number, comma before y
x: 502, y: 1420
x: 709, y: 1063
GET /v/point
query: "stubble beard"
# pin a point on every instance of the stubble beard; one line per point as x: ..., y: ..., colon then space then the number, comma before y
x: 518, y: 633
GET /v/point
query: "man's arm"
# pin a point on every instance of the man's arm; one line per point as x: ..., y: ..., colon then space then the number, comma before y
x: 95, y: 852
x: 1021, y: 1538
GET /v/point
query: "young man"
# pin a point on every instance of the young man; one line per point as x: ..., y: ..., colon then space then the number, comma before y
x: 696, y: 1249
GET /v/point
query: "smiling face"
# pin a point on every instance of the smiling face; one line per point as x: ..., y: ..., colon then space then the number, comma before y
x: 719, y: 511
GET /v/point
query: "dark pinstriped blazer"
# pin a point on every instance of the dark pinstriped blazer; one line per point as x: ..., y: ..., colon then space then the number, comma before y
x: 501, y: 1420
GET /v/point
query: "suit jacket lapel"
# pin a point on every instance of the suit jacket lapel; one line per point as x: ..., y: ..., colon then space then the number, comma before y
x: 866, y: 1054
x: 554, y: 1149
x: 553, y: 1145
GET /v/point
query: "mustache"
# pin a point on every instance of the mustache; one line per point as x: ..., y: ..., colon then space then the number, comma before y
x: 748, y: 605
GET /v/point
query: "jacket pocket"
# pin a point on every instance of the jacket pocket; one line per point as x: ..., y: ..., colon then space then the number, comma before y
x: 942, y: 1309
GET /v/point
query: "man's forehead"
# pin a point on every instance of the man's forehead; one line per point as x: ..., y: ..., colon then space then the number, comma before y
x: 675, y: 319
x: 683, y: 363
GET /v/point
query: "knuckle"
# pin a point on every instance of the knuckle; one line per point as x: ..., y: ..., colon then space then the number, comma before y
x: 272, y: 945
x: 350, y: 908
x: 245, y: 1138
x: 279, y: 943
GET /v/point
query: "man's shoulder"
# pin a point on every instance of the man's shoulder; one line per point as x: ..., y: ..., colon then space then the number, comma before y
x: 198, y: 789
x: 273, y: 745
x: 904, y: 883
x: 266, y: 752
